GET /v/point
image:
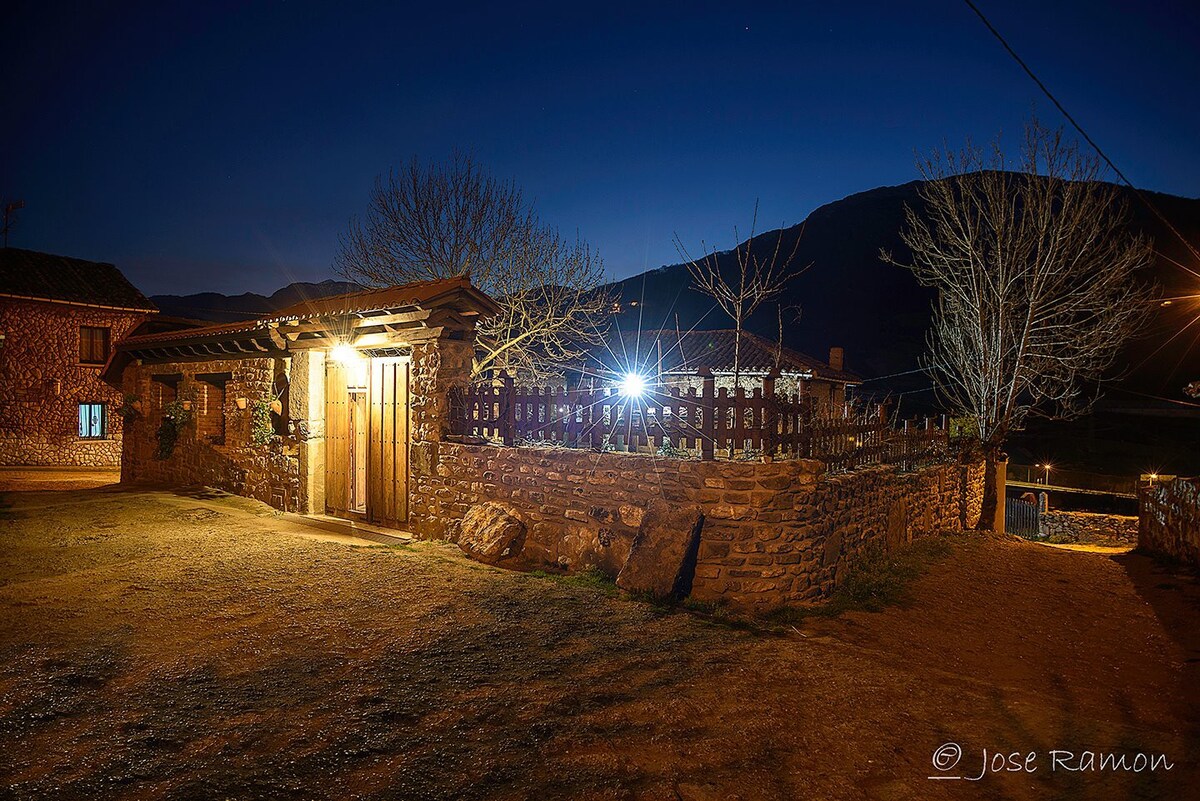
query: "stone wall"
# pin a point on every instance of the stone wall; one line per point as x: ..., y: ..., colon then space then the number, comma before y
x: 1169, y: 519
x: 271, y: 473
x: 42, y: 384
x: 1089, y: 527
x: 774, y: 533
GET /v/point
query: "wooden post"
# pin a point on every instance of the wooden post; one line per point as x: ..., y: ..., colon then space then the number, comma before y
x: 709, y: 404
x: 770, y: 415
x: 1001, y: 494
x: 508, y: 410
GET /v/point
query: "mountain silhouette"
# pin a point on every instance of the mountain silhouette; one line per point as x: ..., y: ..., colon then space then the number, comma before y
x: 848, y: 297
x: 218, y: 308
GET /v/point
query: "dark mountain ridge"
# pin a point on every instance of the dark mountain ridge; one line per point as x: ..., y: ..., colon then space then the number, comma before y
x: 879, y: 313
x: 849, y: 297
x: 218, y: 308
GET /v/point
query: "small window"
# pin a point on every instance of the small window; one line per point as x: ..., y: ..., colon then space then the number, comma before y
x: 93, y: 344
x: 91, y: 420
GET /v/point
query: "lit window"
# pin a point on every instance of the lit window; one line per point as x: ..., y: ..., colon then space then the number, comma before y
x: 91, y: 420
x: 93, y: 344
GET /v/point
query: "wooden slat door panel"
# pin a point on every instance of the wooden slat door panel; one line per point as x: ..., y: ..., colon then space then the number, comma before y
x: 387, y: 485
x: 337, y: 444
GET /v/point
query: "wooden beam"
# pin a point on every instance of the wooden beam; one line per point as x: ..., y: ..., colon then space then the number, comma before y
x: 277, y: 338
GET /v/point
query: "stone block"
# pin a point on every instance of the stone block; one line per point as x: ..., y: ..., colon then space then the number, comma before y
x: 662, y: 558
x: 491, y: 532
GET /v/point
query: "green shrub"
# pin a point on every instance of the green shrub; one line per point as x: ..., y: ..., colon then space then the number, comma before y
x: 174, y: 419
x: 261, y: 429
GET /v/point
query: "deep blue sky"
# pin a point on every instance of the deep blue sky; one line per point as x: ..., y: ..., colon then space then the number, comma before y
x: 205, y: 146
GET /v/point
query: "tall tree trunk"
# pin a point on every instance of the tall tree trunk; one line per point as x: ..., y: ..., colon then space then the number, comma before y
x: 993, y: 494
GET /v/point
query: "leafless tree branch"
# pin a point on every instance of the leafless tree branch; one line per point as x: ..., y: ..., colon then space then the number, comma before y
x: 450, y: 220
x: 759, y: 278
x: 1036, y: 278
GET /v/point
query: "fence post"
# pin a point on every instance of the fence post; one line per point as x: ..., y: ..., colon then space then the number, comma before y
x: 770, y: 416
x: 709, y: 404
x: 458, y: 415
x: 508, y: 410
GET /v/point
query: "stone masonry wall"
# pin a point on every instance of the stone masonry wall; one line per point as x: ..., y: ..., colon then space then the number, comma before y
x: 774, y: 533
x: 1169, y: 519
x: 270, y: 473
x: 1089, y: 527
x: 42, y: 384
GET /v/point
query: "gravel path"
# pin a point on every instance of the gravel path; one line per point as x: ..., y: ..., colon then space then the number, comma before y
x: 155, y: 645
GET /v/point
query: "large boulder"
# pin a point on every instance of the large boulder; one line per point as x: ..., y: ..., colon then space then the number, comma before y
x: 491, y: 531
x: 662, y: 559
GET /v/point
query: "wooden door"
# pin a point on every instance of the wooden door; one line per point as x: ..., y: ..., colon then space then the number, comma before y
x: 337, y: 440
x: 358, y: 437
x: 387, y: 463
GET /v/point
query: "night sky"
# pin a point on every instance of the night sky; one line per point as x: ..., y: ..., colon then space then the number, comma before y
x: 217, y: 147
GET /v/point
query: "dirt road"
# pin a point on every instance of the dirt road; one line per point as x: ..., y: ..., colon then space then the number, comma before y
x: 159, y: 646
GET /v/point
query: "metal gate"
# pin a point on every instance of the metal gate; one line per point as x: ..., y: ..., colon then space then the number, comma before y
x: 1022, y: 518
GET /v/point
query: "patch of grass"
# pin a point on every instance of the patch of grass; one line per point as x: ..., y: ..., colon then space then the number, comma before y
x: 593, y: 578
x: 876, y: 581
x: 718, y: 613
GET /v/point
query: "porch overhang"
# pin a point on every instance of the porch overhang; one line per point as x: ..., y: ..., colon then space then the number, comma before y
x: 393, y: 317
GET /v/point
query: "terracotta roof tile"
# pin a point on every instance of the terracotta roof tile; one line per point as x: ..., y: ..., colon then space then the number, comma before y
x: 692, y: 350
x: 44, y: 276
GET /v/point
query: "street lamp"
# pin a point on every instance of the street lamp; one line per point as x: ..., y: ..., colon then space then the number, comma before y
x: 632, y: 386
x: 1046, y: 468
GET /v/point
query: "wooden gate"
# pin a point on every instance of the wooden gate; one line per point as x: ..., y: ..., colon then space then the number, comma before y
x: 367, y: 451
x: 387, y: 449
x: 337, y: 440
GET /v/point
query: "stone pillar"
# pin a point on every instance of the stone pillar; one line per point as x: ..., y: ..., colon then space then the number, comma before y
x: 306, y: 410
x: 1001, y: 493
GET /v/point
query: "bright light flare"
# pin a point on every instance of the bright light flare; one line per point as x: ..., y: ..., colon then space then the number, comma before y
x: 345, y: 354
x: 632, y: 386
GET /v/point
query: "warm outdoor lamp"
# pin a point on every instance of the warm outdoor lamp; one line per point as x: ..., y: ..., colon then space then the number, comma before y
x: 632, y: 385
x: 344, y: 354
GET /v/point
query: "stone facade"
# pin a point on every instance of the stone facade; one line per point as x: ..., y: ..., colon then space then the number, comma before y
x: 1089, y: 527
x: 774, y: 533
x: 43, y: 382
x: 273, y: 473
x: 1169, y: 519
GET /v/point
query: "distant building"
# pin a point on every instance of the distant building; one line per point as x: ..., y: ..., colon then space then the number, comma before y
x: 670, y: 358
x: 59, y: 320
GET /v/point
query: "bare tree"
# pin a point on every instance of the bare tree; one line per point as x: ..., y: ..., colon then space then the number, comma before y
x: 757, y: 278
x: 1036, y: 281
x: 450, y: 220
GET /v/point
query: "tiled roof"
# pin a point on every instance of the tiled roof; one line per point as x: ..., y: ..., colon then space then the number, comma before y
x: 691, y: 350
x: 30, y: 274
x: 414, y: 294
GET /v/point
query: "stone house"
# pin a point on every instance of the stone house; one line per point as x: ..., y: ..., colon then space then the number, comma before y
x: 59, y: 320
x: 342, y: 406
x: 329, y: 406
x: 670, y: 358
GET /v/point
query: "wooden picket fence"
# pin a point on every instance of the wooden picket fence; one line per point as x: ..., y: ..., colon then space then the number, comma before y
x: 711, y: 423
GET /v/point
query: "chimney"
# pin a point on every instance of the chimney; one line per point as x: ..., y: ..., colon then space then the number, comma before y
x: 836, y: 355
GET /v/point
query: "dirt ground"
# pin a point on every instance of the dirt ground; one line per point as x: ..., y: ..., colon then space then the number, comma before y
x: 155, y: 645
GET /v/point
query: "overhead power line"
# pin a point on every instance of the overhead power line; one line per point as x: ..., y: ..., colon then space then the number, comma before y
x: 1046, y: 91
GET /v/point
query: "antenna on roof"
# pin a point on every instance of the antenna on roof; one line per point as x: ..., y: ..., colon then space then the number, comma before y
x: 679, y: 341
x: 9, y: 214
